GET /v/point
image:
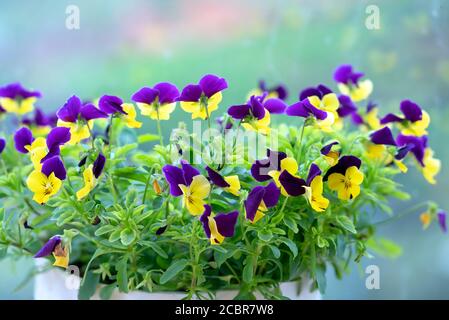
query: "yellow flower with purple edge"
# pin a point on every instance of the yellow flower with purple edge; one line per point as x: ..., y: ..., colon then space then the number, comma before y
x: 230, y: 184
x: 414, y: 121
x: 16, y: 99
x: 158, y: 102
x: 90, y: 176
x: 55, y: 247
x: 345, y: 177
x: 314, y: 189
x: 350, y: 83
x: 220, y: 226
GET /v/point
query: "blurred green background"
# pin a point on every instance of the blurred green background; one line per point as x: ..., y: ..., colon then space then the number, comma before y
x: 124, y: 45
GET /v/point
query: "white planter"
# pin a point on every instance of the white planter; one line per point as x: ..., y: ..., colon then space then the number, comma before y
x: 56, y: 284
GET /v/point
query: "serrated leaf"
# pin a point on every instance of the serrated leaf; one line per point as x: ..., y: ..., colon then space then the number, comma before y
x: 173, y: 270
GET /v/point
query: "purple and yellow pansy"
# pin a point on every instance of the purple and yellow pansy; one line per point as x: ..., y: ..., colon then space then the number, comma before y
x: 350, y: 83
x: 414, y: 121
x: 15, y: 98
x: 220, y: 226
x: 259, y: 200
x: 59, y: 251
x: 157, y: 102
x: 345, y: 177
x: 91, y: 175
x: 230, y: 184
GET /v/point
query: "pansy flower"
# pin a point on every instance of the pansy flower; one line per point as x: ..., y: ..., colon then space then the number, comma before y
x: 428, y: 216
x: 188, y: 181
x: 441, y: 215
x: 15, y: 98
x: 26, y: 143
x: 157, y: 102
x: 230, y: 184
x: 345, y: 177
x: 279, y: 91
x: 261, y: 168
x: 91, y: 175
x: 429, y: 165
x: 259, y: 200
x: 314, y: 189
x: 413, y: 122
x: 46, y: 182
x: 40, y: 124
x: 60, y: 253
x: 350, y: 83
x: 319, y: 103
x: 330, y: 155
x: 220, y: 226
x: 115, y: 106
x: 203, y: 98
x: 376, y: 147
x: 286, y: 178
x: 77, y: 117
x: 2, y: 145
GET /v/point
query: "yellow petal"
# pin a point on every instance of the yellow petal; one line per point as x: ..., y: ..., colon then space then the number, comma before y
x: 290, y: 165
x: 317, y: 185
x: 215, y: 236
x: 336, y: 181
x: 36, y: 181
x: 10, y: 105
x: 200, y: 187
x: 260, y: 212
x: 372, y: 119
x: 426, y: 219
x: 130, y: 117
x: 319, y: 203
x: 234, y: 184
x: 190, y: 107
x: 89, y: 183
x: 354, y: 175
x: 27, y: 105
x: 165, y: 110
x: 330, y: 102
x: 315, y: 101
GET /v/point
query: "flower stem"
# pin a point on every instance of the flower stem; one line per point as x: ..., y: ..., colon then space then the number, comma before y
x: 300, y: 141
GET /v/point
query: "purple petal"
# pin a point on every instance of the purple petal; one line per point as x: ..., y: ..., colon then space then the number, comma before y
x: 345, y: 74
x: 403, y: 151
x: 15, y: 91
x: 2, y: 145
x: 317, y: 113
x: 275, y: 106
x: 57, y: 137
x: 239, y: 112
x: 343, y: 164
x: 416, y: 145
x: 253, y: 201
x: 280, y: 90
x: 226, y: 223
x: 40, y: 119
x: 309, y: 92
x: 357, y: 118
x: 23, y: 137
x: 48, y: 247
x: 327, y: 148
x: 390, y: 118
x: 442, y: 220
x: 271, y: 195
x: 70, y: 110
x: 211, y: 84
x: 257, y: 108
x: 99, y: 165
x: 188, y: 172
x: 111, y: 104
x: 298, y: 110
x: 323, y: 90
x: 383, y: 136
x: 216, y: 178
x: 204, y: 219
x: 54, y: 165
x: 90, y: 112
x: 168, y: 93
x: 313, y: 172
x: 174, y: 177
x: 294, y: 186
x: 145, y: 95
x: 191, y: 93
x: 261, y: 168
x: 411, y: 110
x: 371, y: 105
x: 347, y: 107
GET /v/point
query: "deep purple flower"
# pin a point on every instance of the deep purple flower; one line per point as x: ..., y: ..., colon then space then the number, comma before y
x: 216, y: 178
x: 48, y: 247
x: 56, y: 138
x: 415, y: 145
x: 343, y: 164
x: 261, y: 168
x: 54, y: 165
x: 320, y: 91
x: 163, y: 93
x: 22, y: 138
x: 176, y: 176
x: 208, y: 86
x: 314, y: 171
x: 2, y: 145
x: 40, y: 119
x: 74, y: 109
x: 345, y: 74
x: 442, y: 220
x: 293, y: 185
x: 99, y: 165
x: 16, y: 91
x: 275, y: 105
x: 254, y: 108
x: 225, y: 223
x: 327, y: 148
x: 280, y: 90
x: 383, y: 136
x: 304, y: 108
x: 347, y: 106
x: 269, y: 195
x: 111, y: 104
x: 411, y: 111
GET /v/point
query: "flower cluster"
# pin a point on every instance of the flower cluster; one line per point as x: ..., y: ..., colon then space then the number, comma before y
x: 205, y: 226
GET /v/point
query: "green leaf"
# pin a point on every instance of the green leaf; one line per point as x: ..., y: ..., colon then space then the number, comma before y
x: 173, y: 270
x: 104, y: 229
x: 89, y: 286
x: 320, y: 273
x: 291, y: 224
x: 124, y: 150
x: 122, y: 274
x: 156, y: 248
x: 384, y: 247
x: 127, y: 236
x: 346, y: 223
x: 291, y: 245
x: 248, y: 270
x: 107, y: 291
x: 265, y: 235
x: 276, y: 252
x: 144, y: 138
x: 221, y: 257
x: 115, y: 235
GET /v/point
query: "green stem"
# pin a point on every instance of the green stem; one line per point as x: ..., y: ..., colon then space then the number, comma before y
x: 91, y: 135
x: 5, y: 171
x: 300, y: 141
x: 147, y: 184
x: 401, y: 214
x: 30, y: 206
